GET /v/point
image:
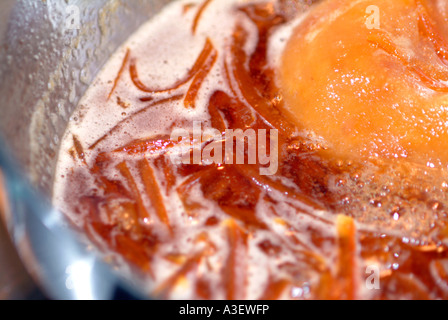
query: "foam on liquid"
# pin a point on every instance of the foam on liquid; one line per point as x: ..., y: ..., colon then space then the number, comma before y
x: 166, y: 49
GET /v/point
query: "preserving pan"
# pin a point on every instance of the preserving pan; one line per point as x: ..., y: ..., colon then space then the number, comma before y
x: 50, y: 51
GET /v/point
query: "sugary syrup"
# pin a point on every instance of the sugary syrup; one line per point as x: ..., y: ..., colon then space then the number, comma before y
x: 318, y: 229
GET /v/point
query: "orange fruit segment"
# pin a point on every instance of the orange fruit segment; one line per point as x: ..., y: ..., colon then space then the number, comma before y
x: 371, y: 78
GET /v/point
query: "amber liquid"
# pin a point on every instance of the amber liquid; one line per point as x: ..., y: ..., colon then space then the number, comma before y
x: 309, y: 232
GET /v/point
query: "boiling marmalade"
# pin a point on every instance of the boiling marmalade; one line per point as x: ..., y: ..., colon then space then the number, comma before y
x: 358, y: 206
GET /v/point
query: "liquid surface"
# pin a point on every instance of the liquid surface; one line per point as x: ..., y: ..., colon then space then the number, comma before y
x: 223, y: 231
